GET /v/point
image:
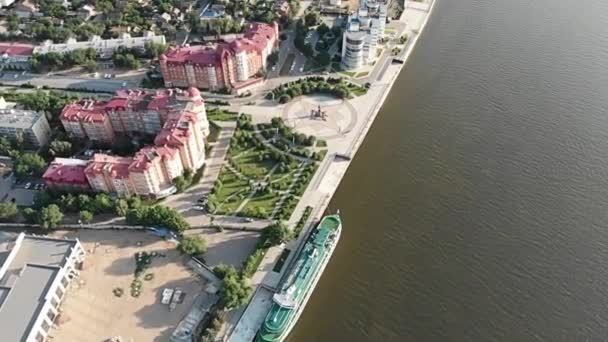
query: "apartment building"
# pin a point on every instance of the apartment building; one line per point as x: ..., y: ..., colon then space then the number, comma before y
x: 87, y: 119
x: 230, y: 65
x: 110, y: 174
x: 25, y: 126
x: 183, y: 133
x: 35, y: 275
x: 177, y: 117
x: 364, y: 29
x: 153, y: 170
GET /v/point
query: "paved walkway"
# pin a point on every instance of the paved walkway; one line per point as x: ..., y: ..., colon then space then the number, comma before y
x: 184, y: 202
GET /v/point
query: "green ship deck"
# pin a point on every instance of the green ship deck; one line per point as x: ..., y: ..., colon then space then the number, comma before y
x: 289, y: 298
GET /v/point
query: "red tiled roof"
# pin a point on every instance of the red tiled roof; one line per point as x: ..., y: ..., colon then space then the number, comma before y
x: 66, y: 171
x: 84, y: 110
x: 255, y: 39
x: 116, y: 166
x: 16, y: 49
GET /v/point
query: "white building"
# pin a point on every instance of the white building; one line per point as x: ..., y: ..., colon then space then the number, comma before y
x: 6, y: 3
x: 102, y: 46
x: 365, y: 28
x: 335, y: 2
x: 28, y: 125
x: 34, y: 277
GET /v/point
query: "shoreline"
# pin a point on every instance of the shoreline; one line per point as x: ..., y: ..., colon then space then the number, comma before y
x: 319, y: 194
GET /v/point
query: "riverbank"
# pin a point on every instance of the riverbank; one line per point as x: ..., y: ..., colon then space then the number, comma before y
x: 351, y: 121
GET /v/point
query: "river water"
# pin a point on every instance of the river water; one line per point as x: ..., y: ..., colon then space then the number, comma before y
x: 477, y: 207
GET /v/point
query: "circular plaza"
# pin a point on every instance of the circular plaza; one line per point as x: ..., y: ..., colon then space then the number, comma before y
x: 323, y: 116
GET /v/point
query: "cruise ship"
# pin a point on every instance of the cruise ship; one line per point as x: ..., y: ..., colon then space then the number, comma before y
x: 293, y: 294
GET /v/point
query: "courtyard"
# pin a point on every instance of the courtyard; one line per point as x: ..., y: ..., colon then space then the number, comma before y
x: 268, y: 168
x: 92, y: 310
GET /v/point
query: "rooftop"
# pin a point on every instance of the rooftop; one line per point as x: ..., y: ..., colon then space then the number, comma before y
x: 116, y: 166
x: 256, y: 38
x: 16, y: 118
x: 27, y: 279
x: 16, y: 49
x: 64, y: 170
x: 85, y: 111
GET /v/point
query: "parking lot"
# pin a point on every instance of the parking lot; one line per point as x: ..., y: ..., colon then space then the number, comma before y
x: 22, y: 193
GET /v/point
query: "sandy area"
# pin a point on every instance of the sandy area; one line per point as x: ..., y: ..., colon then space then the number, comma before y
x: 93, y: 313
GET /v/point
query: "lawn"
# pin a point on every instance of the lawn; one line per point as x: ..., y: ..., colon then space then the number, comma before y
x: 217, y: 114
x: 362, y: 74
x: 251, y: 167
x: 231, y: 185
x: 254, y: 161
x: 259, y: 201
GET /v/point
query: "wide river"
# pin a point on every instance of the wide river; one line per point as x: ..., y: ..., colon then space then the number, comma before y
x: 477, y: 207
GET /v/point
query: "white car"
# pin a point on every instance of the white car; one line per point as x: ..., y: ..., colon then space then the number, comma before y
x: 199, y: 208
x: 301, y: 69
x: 27, y: 185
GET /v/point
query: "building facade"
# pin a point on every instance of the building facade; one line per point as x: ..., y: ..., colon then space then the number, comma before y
x: 88, y: 119
x: 176, y: 117
x: 104, y: 47
x: 365, y: 28
x: 25, y: 126
x: 227, y: 65
x: 34, y: 278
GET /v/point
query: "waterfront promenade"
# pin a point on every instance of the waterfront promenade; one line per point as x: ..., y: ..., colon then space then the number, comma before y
x: 348, y: 124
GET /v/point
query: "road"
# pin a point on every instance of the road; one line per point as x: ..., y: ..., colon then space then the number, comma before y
x: 66, y: 82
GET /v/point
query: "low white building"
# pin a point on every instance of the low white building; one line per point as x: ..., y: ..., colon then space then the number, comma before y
x: 6, y: 3
x: 34, y: 278
x: 102, y: 46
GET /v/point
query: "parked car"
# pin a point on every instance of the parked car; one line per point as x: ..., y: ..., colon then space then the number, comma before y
x: 199, y: 208
x: 248, y: 219
x: 27, y: 185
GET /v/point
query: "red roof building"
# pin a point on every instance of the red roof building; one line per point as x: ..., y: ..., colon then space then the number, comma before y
x: 179, y: 144
x: 64, y: 173
x: 223, y: 65
x: 87, y: 118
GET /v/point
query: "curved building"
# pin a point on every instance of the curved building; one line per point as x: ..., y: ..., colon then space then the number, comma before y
x: 364, y: 30
x: 352, y: 49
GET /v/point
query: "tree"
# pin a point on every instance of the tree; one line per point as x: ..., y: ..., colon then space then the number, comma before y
x: 193, y: 245
x: 235, y: 291
x: 68, y: 202
x: 153, y: 50
x: 30, y: 215
x: 311, y: 18
x: 323, y: 58
x: 180, y: 183
x: 84, y: 202
x: 322, y: 29
x: 50, y: 217
x: 61, y: 148
x: 273, y: 58
x: 102, y: 203
x: 8, y: 211
x: 121, y: 207
x: 29, y: 163
x: 86, y: 216
x: 275, y: 234
x: 5, y: 146
x: 284, y: 98
x: 134, y: 202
